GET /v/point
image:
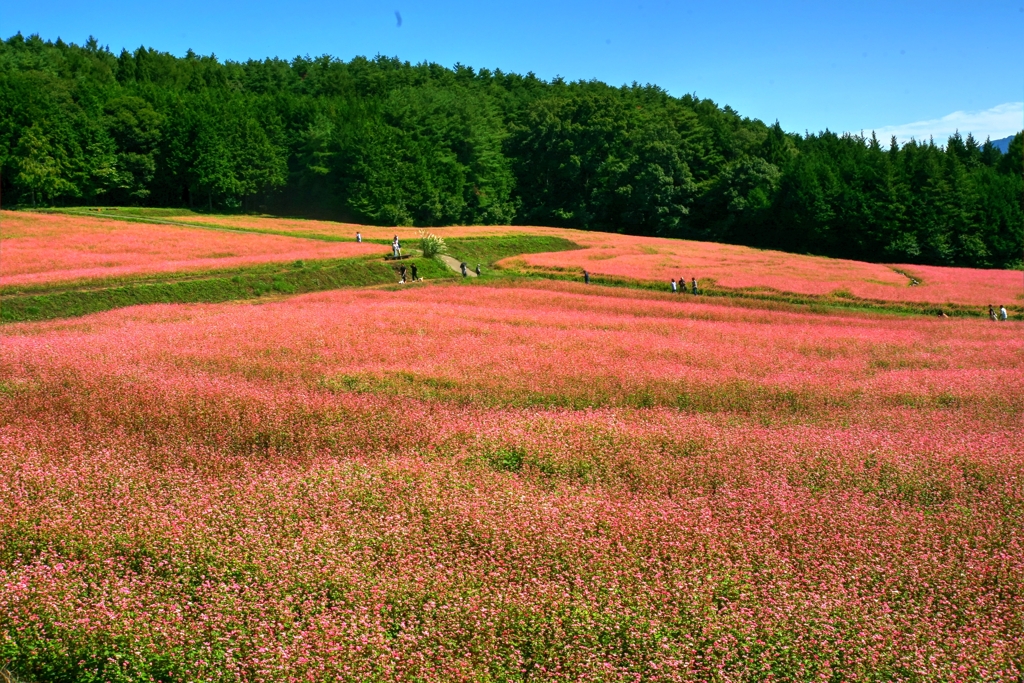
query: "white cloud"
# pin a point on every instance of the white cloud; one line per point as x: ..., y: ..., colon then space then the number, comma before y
x: 998, y: 122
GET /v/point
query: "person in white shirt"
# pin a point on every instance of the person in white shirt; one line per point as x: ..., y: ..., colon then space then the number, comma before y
x: 359, y: 237
x: 1002, y: 313
x: 674, y: 288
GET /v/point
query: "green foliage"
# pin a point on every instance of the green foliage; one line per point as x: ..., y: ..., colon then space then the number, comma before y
x: 919, y: 203
x: 388, y: 142
x: 507, y: 458
x: 433, y: 157
x: 606, y: 159
x: 42, y: 166
x: 431, y: 245
x: 135, y: 129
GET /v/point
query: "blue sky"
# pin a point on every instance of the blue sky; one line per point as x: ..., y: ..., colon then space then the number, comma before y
x: 902, y: 67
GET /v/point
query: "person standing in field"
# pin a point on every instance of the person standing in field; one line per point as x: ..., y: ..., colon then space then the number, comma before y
x: 694, y: 286
x: 674, y: 288
x: 586, y: 278
x: 991, y: 313
x: 1002, y: 313
x: 465, y: 272
x: 478, y: 270
x: 359, y: 237
x: 402, y: 271
x: 415, y: 276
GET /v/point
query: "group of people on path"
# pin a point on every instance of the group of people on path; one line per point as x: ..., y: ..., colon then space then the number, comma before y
x: 396, y: 246
x: 676, y: 287
x: 682, y: 285
x: 396, y: 252
x: 993, y: 315
x: 412, y: 270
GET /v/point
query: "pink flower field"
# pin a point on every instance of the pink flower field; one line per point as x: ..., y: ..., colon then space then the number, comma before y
x: 735, y: 267
x: 969, y: 285
x: 46, y: 248
x: 510, y: 482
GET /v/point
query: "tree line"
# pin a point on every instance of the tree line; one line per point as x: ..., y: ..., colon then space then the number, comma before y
x: 388, y: 142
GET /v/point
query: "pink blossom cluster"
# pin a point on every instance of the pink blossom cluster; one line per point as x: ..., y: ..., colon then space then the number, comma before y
x: 384, y: 485
x: 43, y: 248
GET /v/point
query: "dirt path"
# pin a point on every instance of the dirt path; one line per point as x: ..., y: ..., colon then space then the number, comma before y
x: 455, y: 264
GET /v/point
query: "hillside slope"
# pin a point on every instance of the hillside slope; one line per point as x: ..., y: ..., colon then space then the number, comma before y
x: 217, y: 257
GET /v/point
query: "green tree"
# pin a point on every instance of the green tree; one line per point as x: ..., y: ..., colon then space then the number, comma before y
x: 41, y: 167
x: 386, y: 141
x: 134, y: 126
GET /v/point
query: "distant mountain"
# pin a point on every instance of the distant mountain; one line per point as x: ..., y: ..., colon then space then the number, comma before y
x: 1003, y: 145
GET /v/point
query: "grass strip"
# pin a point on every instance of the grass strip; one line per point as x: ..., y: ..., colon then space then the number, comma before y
x: 488, y: 250
x: 297, y: 278
x: 86, y: 284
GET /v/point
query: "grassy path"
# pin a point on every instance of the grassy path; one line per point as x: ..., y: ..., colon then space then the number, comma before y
x: 456, y: 265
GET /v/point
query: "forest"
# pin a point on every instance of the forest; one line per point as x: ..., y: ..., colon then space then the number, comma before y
x: 386, y: 142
